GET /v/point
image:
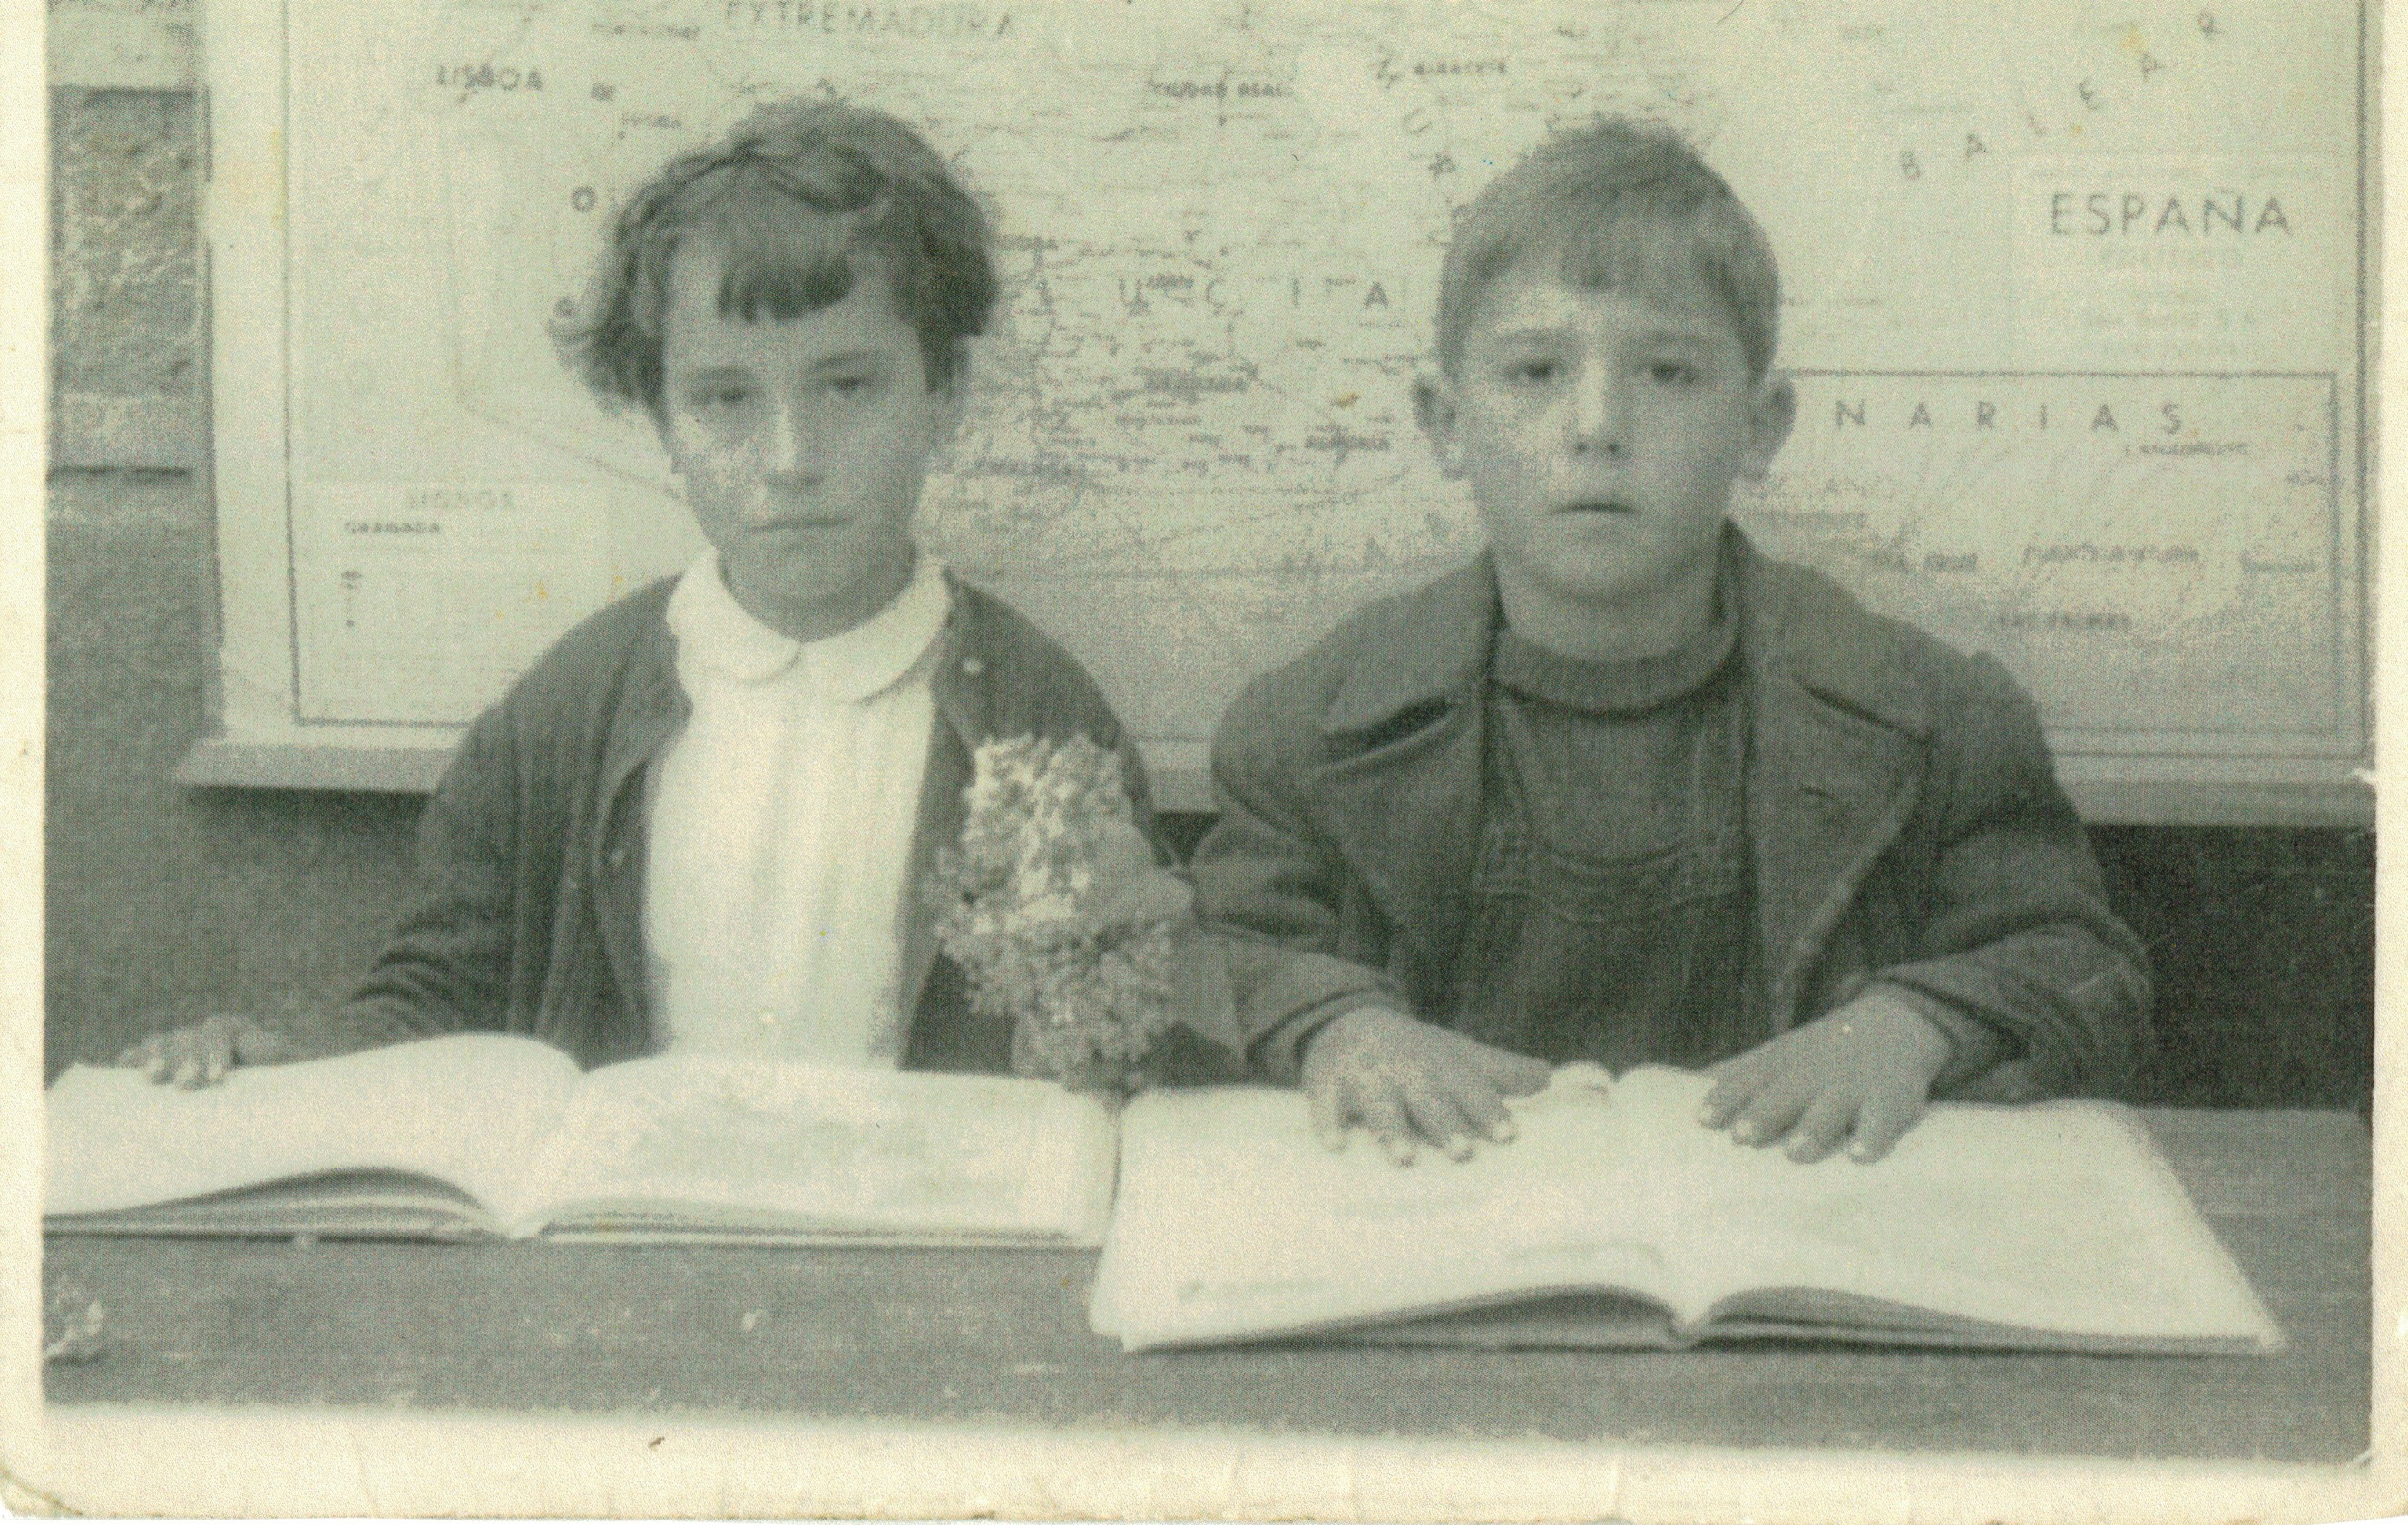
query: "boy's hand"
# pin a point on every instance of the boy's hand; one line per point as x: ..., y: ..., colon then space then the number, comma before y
x: 202, y: 1053
x: 1404, y: 1079
x: 1862, y: 1074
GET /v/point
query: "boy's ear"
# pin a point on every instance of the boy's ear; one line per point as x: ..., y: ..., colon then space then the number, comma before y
x: 1435, y: 410
x: 1771, y: 413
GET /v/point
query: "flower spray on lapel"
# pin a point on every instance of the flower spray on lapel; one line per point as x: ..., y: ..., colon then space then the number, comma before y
x: 1054, y: 908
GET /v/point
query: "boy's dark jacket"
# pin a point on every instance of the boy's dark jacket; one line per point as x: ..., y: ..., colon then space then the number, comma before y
x: 533, y: 847
x: 1902, y: 813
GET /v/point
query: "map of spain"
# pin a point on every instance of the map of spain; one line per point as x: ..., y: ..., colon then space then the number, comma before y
x: 2069, y: 296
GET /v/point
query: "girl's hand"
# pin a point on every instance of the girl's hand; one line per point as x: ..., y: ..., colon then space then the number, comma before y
x: 203, y: 1053
x: 1861, y: 1075
x: 1129, y: 888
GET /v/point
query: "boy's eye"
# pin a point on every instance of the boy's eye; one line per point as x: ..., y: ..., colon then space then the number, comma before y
x: 1672, y: 373
x: 1533, y: 372
x: 722, y: 395
x: 847, y: 384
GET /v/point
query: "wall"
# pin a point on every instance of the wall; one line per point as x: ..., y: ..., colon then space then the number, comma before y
x: 166, y: 903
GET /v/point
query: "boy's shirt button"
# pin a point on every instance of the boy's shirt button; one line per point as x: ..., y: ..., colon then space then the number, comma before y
x: 972, y: 666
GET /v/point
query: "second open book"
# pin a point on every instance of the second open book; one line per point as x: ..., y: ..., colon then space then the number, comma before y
x: 1615, y: 1218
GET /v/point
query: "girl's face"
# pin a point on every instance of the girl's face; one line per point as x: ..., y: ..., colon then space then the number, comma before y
x: 802, y: 444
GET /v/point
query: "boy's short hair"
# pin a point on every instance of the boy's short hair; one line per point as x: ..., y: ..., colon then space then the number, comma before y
x: 794, y: 193
x: 1600, y: 199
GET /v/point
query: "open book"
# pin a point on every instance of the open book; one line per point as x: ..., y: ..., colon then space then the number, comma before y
x: 1615, y: 1218
x: 484, y: 1134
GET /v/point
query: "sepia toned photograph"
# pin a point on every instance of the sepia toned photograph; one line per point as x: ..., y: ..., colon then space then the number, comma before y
x: 1454, y: 759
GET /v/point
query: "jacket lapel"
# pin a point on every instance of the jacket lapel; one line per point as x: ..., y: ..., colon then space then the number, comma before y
x: 1826, y: 793
x: 652, y: 711
x: 964, y: 719
x: 1409, y: 816
x: 1401, y: 785
x: 1835, y: 763
x: 954, y: 740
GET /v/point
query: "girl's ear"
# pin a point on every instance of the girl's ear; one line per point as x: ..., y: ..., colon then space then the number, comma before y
x: 1436, y: 410
x: 1771, y: 412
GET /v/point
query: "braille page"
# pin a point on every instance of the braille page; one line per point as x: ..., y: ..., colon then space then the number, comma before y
x: 2055, y: 1216
x: 465, y: 1109
x: 1233, y: 1221
x: 731, y: 1145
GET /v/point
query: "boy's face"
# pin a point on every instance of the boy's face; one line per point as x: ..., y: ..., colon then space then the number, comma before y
x: 802, y: 444
x: 1601, y: 431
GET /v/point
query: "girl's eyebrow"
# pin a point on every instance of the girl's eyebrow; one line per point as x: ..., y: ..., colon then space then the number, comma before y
x: 738, y: 370
x: 844, y: 358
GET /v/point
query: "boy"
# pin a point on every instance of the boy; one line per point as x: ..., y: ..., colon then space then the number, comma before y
x: 1623, y: 790
x: 700, y: 821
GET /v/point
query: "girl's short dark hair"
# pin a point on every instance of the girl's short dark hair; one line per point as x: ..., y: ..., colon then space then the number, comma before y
x: 800, y: 195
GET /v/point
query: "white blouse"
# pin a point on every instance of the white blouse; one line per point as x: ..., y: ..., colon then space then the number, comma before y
x: 782, y: 824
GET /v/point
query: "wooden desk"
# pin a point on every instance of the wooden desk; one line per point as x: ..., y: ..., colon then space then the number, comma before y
x: 968, y: 1335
